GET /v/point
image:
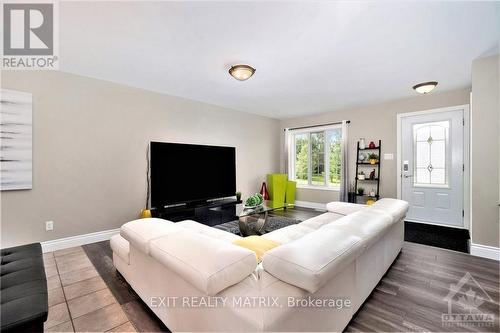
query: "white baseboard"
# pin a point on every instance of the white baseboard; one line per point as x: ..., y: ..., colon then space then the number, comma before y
x: 485, y: 251
x: 309, y: 204
x: 67, y: 242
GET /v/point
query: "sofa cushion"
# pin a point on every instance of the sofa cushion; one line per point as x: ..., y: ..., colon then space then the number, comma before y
x: 312, y: 260
x: 140, y: 232
x: 257, y: 244
x: 320, y: 220
x: 394, y: 207
x: 288, y: 234
x: 208, y: 231
x: 120, y: 247
x: 210, y: 264
x: 344, y: 208
x: 369, y: 225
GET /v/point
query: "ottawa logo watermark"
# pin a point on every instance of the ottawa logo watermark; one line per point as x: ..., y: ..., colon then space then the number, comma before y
x: 30, y: 35
x: 464, y: 305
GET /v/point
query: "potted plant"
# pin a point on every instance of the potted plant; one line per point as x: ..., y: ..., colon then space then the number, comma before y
x: 373, y: 158
x: 361, y: 190
x: 238, y: 196
x: 361, y: 175
x: 255, y: 200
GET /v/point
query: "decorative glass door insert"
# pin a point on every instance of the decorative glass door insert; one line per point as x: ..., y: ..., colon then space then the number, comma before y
x: 430, y: 146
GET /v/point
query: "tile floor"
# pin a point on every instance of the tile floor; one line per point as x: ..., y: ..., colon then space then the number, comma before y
x: 79, y: 300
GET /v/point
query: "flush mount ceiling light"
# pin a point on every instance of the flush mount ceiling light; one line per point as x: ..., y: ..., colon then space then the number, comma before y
x: 241, y: 72
x: 426, y: 87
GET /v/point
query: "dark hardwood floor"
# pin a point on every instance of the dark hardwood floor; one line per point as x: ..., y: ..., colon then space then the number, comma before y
x: 409, y: 298
x: 298, y: 213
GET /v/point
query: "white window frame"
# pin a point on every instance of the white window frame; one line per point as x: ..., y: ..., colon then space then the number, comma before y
x: 291, y: 157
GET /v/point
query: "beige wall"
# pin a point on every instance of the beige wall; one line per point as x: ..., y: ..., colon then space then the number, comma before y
x: 89, y: 148
x: 484, y: 151
x: 374, y: 123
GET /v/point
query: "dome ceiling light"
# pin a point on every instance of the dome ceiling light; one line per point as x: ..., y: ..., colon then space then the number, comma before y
x: 241, y: 72
x: 426, y: 87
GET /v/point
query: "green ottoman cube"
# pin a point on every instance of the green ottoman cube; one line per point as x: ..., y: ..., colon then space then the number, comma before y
x: 291, y: 187
x: 276, y: 186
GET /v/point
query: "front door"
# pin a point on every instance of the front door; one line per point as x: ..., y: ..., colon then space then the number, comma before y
x: 432, y: 166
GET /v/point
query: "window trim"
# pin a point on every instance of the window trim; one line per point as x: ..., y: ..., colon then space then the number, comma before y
x: 292, y: 157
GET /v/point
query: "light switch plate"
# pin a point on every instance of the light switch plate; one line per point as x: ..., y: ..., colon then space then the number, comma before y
x: 388, y: 156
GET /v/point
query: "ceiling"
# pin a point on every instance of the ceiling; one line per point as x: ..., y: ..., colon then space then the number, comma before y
x: 310, y: 57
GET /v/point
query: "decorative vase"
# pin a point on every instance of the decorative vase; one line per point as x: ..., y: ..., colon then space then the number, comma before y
x: 238, y: 196
x: 264, y: 192
x: 362, y: 144
x: 361, y: 177
x: 145, y: 213
x: 371, y: 145
x: 373, y: 161
x: 372, y: 193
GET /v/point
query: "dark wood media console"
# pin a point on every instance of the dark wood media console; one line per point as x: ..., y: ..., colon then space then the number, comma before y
x: 210, y: 213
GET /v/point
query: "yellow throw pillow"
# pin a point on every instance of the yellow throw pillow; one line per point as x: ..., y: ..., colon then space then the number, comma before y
x: 257, y: 244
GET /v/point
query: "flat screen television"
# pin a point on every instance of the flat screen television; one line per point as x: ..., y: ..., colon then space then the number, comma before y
x: 187, y: 173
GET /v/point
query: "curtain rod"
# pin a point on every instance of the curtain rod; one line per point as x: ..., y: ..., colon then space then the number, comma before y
x: 303, y: 127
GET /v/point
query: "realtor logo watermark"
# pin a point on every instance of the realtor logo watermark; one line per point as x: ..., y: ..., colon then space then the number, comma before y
x: 29, y: 35
x: 334, y: 303
x: 464, y: 305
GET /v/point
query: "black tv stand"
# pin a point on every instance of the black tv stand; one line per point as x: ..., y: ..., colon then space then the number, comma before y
x: 210, y: 212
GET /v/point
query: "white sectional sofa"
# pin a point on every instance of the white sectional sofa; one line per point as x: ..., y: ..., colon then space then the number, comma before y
x: 195, y: 279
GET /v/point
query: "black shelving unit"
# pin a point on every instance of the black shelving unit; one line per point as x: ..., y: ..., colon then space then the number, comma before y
x: 363, y: 165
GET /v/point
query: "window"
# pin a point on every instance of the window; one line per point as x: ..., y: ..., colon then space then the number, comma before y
x: 430, y: 148
x: 315, y: 157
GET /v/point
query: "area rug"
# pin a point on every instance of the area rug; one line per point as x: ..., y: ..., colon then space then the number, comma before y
x: 273, y: 223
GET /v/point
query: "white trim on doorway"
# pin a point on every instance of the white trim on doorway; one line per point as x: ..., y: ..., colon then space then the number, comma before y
x: 465, y: 107
x: 485, y: 251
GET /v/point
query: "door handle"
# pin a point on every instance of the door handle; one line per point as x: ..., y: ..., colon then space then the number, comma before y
x: 407, y: 176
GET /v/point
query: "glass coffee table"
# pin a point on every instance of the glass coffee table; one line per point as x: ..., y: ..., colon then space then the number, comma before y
x: 253, y: 220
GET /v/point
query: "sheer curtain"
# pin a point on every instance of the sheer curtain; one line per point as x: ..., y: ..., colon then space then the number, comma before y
x: 344, y: 182
x: 286, y: 151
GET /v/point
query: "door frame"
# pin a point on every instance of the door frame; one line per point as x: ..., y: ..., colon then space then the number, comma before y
x: 466, y: 180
